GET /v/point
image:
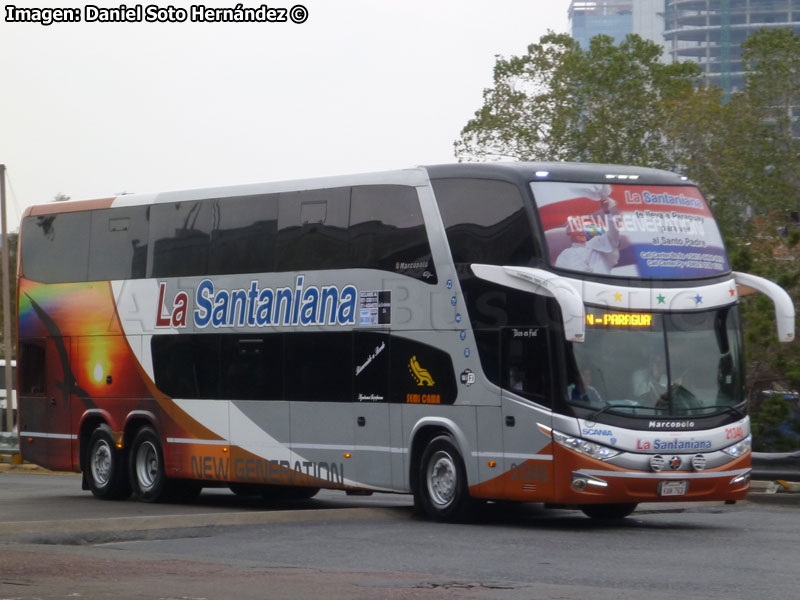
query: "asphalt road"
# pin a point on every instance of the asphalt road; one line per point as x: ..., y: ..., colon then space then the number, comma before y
x: 57, y: 541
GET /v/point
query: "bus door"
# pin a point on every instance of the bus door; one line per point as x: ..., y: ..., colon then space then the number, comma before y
x: 527, y: 392
x: 372, y: 454
x: 46, y: 382
x: 318, y: 381
x: 252, y: 377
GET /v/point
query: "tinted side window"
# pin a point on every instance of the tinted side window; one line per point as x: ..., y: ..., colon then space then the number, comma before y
x: 312, y: 230
x: 488, y: 343
x: 319, y: 367
x: 118, y: 246
x: 180, y: 233
x: 526, y: 363
x: 31, y: 369
x: 55, y: 248
x: 421, y: 374
x: 252, y: 367
x: 371, y: 368
x: 485, y: 221
x: 387, y: 231
x: 243, y: 240
x: 186, y: 366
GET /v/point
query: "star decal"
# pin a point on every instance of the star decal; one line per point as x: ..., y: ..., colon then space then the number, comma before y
x: 617, y: 297
x: 698, y: 299
x: 661, y: 298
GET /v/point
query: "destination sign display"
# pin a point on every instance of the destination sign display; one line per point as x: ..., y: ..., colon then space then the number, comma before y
x: 616, y: 319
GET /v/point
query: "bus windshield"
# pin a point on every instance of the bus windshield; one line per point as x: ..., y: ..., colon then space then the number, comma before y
x: 657, y: 365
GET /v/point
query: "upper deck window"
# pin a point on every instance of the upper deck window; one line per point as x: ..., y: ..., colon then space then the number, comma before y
x: 648, y: 231
x: 486, y: 221
x: 363, y: 227
x: 55, y: 248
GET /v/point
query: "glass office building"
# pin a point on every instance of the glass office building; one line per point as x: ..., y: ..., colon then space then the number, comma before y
x: 588, y: 19
x: 711, y: 32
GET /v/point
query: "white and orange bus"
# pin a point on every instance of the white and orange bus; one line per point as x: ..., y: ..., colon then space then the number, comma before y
x: 558, y: 333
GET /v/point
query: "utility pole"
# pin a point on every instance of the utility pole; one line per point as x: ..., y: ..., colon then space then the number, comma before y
x: 6, y: 303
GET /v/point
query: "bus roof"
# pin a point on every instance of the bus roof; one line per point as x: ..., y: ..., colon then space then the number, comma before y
x: 558, y: 171
x: 515, y: 171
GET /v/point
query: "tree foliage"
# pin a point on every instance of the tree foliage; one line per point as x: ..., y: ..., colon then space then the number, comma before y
x: 559, y: 102
x: 619, y: 104
x: 770, y: 423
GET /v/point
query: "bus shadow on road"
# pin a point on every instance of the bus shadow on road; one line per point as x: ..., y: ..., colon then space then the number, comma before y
x: 517, y: 514
x: 540, y: 516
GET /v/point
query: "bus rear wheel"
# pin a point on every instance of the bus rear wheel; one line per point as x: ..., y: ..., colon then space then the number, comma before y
x: 608, y: 512
x: 148, y: 476
x: 441, y: 489
x: 106, y: 473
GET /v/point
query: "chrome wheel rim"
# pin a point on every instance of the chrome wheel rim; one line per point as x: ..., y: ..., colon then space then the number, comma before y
x: 147, y: 465
x: 442, y: 479
x: 101, y: 462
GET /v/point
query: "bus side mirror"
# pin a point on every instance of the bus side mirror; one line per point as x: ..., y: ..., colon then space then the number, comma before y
x: 784, y: 307
x: 538, y: 281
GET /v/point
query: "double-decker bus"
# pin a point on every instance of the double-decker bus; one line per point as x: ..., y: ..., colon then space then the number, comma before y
x: 559, y: 333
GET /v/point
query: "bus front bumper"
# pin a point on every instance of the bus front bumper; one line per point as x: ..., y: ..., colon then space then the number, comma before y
x: 584, y: 480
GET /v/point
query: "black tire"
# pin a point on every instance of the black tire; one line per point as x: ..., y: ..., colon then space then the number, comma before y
x: 146, y: 465
x: 184, y: 490
x: 441, y: 490
x: 245, y: 490
x: 106, y: 469
x: 608, y: 512
x: 287, y: 493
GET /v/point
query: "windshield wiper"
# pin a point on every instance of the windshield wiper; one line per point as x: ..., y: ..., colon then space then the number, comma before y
x: 608, y: 406
x: 737, y: 412
x: 599, y: 411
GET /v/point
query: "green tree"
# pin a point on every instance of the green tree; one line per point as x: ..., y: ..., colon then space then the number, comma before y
x: 774, y: 412
x: 559, y: 102
x: 772, y: 59
x: 769, y: 167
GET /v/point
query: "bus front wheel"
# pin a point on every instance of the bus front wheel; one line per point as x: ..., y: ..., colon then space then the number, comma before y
x: 148, y: 477
x: 608, y: 512
x: 105, y: 471
x: 441, y: 489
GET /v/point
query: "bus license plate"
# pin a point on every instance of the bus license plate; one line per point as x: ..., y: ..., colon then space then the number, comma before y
x: 673, y: 488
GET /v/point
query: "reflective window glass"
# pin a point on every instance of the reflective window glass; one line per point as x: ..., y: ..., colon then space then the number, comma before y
x: 55, y: 248
x: 118, y: 247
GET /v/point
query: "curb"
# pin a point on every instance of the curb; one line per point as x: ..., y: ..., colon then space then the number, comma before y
x: 774, y: 499
x: 776, y: 491
x: 27, y: 468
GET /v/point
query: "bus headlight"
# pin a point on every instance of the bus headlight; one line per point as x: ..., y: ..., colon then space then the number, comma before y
x: 739, y: 448
x: 586, y: 447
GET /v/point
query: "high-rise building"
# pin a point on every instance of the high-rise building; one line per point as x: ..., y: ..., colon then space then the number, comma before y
x: 608, y: 17
x: 711, y: 32
x: 617, y: 18
x: 648, y: 21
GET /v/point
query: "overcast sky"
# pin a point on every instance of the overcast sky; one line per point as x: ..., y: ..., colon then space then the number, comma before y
x: 93, y: 109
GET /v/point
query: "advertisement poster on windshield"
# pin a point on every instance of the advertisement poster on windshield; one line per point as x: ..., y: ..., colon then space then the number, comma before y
x: 663, y: 232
